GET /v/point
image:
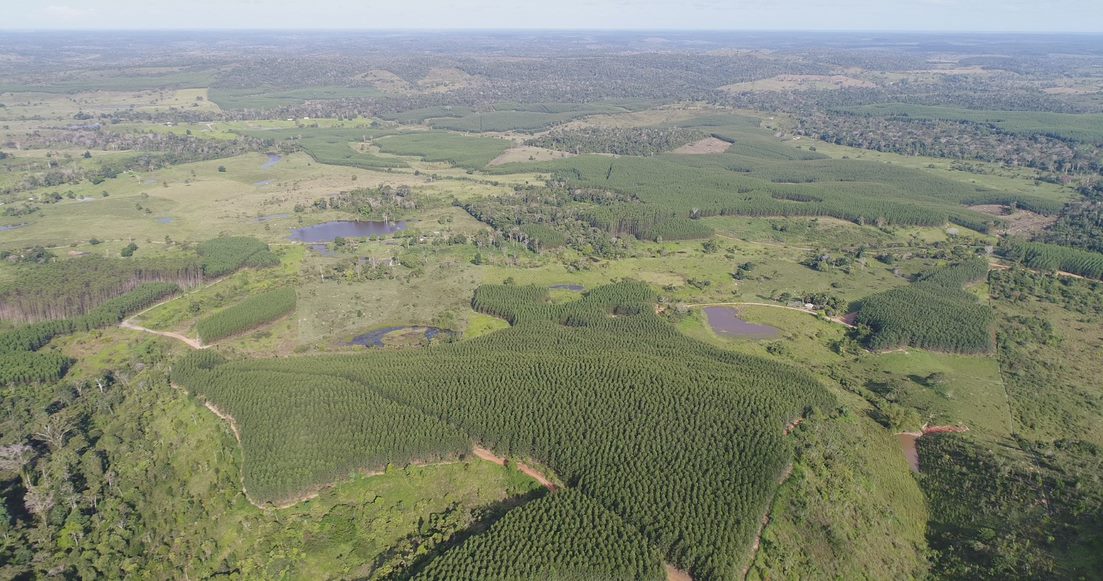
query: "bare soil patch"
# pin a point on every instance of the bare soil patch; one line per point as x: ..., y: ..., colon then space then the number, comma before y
x: 703, y: 147
x: 1019, y: 222
x: 675, y: 574
x: 489, y: 456
x: 528, y: 153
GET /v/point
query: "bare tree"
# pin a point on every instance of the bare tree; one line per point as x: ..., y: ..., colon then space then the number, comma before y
x: 54, y: 431
x: 14, y: 457
x: 39, y: 500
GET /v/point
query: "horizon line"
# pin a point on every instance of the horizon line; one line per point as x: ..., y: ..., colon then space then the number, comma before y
x: 564, y: 29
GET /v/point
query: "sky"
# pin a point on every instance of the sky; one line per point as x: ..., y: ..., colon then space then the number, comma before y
x: 882, y: 15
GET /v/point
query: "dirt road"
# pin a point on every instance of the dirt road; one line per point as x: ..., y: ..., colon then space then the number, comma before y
x: 489, y: 456
x: 193, y: 343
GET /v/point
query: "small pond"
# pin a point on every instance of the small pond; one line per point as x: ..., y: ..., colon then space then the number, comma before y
x: 321, y: 249
x: 12, y: 227
x: 165, y: 220
x: 273, y: 159
x: 375, y: 338
x: 911, y: 453
x: 327, y: 231
x: 725, y: 321
x: 262, y: 183
x: 570, y: 287
x: 270, y: 217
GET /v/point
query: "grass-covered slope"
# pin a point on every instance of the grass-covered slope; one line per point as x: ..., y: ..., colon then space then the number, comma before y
x: 614, y: 400
x: 997, y: 514
x: 934, y: 312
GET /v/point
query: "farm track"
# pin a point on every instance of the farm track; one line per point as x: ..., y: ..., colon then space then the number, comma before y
x: 489, y: 456
x: 1000, y: 266
x: 193, y: 343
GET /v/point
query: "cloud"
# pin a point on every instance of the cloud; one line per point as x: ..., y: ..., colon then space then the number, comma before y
x: 63, y: 12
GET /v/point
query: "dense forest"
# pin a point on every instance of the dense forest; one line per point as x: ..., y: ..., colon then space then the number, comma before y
x: 24, y: 363
x: 585, y: 219
x: 565, y: 535
x: 643, y: 438
x: 933, y: 312
x: 64, y: 288
x: 252, y: 312
x: 1051, y: 257
x: 645, y: 141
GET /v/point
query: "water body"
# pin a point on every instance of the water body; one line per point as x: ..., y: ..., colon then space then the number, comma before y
x: 375, y: 338
x: 327, y: 231
x: 12, y: 227
x: 911, y: 453
x: 273, y: 159
x: 166, y: 220
x: 321, y: 249
x: 571, y: 287
x: 262, y: 183
x: 725, y: 321
x: 270, y: 217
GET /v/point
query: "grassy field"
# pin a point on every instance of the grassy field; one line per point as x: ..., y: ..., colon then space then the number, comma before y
x: 828, y: 519
x: 194, y: 202
x: 268, y: 98
x: 63, y: 105
x: 460, y: 150
x: 1053, y: 376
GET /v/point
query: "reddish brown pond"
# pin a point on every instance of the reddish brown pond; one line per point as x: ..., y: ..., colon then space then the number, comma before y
x: 911, y: 453
x: 725, y: 321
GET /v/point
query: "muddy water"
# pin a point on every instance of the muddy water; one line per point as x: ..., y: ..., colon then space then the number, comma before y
x: 273, y: 159
x: 327, y: 231
x: 375, y: 338
x: 911, y: 453
x: 570, y: 287
x: 725, y: 321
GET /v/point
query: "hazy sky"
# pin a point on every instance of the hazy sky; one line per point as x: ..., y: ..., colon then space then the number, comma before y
x: 955, y: 15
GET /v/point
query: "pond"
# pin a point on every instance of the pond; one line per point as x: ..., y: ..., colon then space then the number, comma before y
x: 270, y: 217
x: 327, y: 231
x: 321, y: 249
x: 725, y: 321
x: 570, y: 287
x: 12, y: 227
x: 911, y: 453
x: 273, y: 159
x: 165, y: 220
x: 375, y: 338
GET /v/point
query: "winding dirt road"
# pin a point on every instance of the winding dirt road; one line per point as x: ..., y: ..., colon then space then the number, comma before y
x: 193, y: 343
x: 128, y: 323
x: 489, y: 456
